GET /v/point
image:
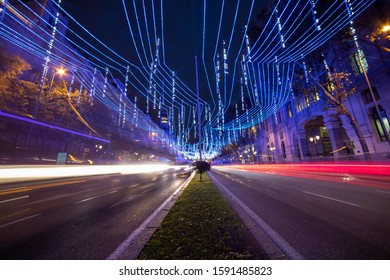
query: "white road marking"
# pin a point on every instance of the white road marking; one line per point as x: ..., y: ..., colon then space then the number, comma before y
x: 133, y: 186
x: 16, y: 213
x: 129, y: 240
x: 16, y: 198
x: 93, y: 197
x: 333, y: 199
x: 20, y: 220
x: 278, y: 240
x: 386, y: 192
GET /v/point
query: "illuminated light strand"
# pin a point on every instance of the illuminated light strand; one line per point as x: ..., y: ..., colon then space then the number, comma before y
x: 278, y: 70
x: 71, y: 84
x: 225, y: 64
x: 154, y: 96
x: 124, y: 115
x: 280, y: 30
x: 242, y: 95
x: 105, y: 83
x: 327, y: 67
x: 120, y: 111
x: 52, y: 126
x: 314, y: 13
x: 305, y: 69
x: 173, y: 89
x: 159, y: 109
x: 47, y: 59
x: 353, y: 30
x: 147, y: 28
x: 139, y: 32
x: 92, y: 90
x: 162, y: 30
x: 243, y: 64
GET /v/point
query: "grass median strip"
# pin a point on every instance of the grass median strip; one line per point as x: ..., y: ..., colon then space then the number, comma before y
x: 201, y: 225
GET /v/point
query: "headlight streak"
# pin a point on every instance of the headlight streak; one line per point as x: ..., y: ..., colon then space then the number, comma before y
x: 12, y: 173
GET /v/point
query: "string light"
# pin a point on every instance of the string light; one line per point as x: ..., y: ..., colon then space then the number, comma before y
x: 266, y: 88
x: 280, y: 29
x: 314, y: 13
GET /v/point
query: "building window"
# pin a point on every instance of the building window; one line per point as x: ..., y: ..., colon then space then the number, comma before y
x: 278, y: 117
x: 356, y: 65
x: 377, y: 122
x: 289, y: 110
x: 281, y: 136
x: 367, y: 97
x: 324, y: 133
x: 284, y: 150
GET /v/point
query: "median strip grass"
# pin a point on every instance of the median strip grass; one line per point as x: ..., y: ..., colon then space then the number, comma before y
x: 201, y: 225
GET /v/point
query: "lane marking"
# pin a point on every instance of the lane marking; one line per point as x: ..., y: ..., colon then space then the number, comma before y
x: 93, y: 197
x: 133, y: 186
x: 41, y: 186
x: 386, y: 192
x: 333, y: 199
x: 20, y: 220
x: 120, y: 250
x: 279, y: 241
x: 131, y: 197
x: 16, y: 213
x: 16, y: 198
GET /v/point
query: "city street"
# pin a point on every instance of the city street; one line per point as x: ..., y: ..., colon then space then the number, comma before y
x: 317, y: 215
x: 79, y: 217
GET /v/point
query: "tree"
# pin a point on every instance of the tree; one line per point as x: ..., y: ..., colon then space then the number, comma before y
x: 202, y: 167
x: 338, y: 88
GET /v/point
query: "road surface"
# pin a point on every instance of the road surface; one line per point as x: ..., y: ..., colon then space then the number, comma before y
x: 78, y: 217
x: 317, y: 215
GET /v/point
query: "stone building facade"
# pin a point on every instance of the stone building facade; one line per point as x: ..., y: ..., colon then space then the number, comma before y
x: 304, y: 130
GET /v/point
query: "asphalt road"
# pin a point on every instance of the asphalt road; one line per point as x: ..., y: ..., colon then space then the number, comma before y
x: 320, y: 216
x: 79, y: 217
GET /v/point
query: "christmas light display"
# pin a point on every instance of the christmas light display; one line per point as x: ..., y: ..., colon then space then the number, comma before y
x: 258, y: 70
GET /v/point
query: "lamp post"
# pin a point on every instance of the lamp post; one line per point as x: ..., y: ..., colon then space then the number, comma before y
x: 59, y: 71
x: 315, y: 139
x: 272, y: 153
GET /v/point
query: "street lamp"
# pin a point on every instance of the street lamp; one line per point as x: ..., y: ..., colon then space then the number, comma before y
x: 272, y: 152
x: 59, y: 71
x: 386, y: 28
x: 315, y: 139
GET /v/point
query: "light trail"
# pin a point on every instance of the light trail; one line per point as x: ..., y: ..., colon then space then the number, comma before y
x: 12, y: 173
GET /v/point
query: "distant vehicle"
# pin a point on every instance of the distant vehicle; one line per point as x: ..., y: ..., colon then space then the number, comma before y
x: 181, y: 168
x: 74, y: 160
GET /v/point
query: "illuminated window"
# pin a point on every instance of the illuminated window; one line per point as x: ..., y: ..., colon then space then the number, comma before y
x: 377, y: 122
x: 356, y: 65
x: 284, y: 149
x: 289, y: 110
x: 324, y: 133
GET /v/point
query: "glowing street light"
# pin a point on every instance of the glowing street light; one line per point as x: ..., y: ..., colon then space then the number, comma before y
x: 60, y: 71
x: 315, y: 139
x: 386, y: 28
